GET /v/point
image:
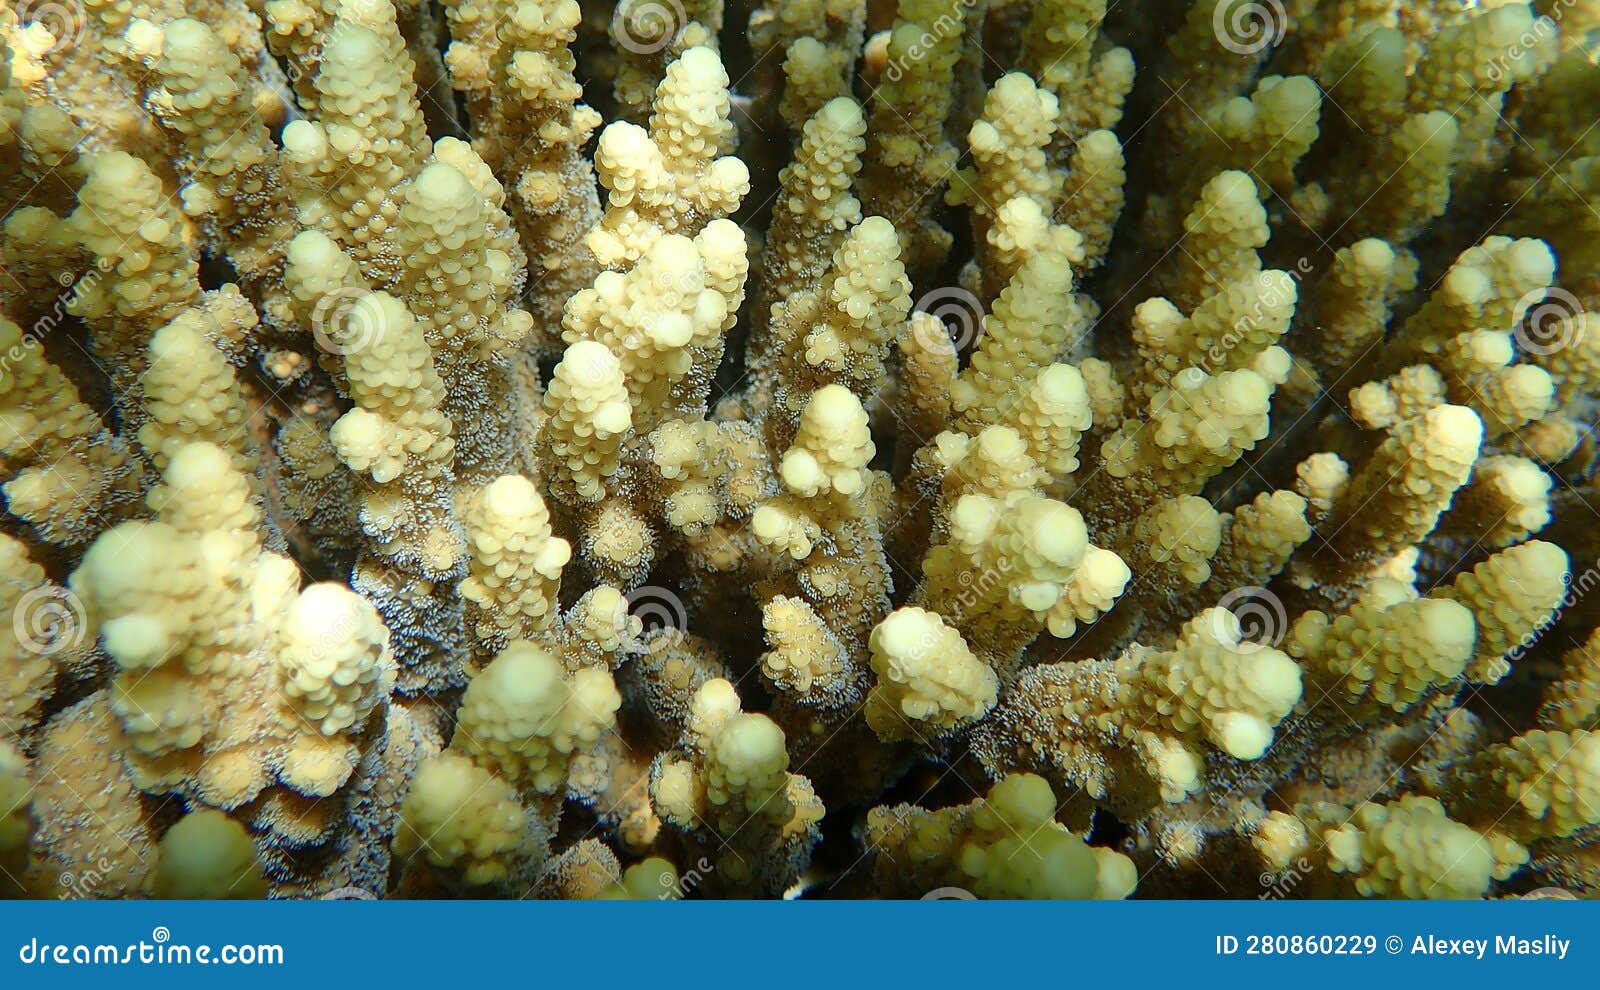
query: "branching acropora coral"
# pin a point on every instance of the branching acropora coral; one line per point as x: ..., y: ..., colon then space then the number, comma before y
x: 404, y: 492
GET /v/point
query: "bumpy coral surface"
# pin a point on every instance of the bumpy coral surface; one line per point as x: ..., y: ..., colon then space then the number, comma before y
x: 812, y: 448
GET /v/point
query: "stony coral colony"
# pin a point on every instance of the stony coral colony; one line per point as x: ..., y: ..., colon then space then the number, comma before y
x: 429, y: 475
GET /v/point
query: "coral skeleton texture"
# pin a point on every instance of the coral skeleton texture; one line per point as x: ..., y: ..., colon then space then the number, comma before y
x: 799, y: 448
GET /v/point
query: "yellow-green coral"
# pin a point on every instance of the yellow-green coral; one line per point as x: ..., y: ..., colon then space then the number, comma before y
x: 535, y: 446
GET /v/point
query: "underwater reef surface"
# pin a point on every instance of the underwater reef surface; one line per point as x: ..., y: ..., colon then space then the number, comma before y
x: 1024, y: 448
